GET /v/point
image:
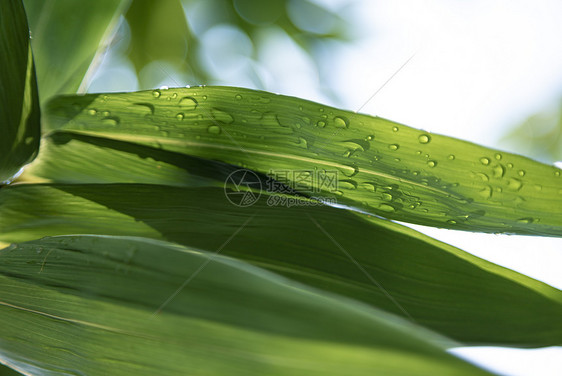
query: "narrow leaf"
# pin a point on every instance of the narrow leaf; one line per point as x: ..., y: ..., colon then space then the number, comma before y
x: 382, y: 167
x: 364, y: 258
x: 94, y: 305
x: 19, y: 104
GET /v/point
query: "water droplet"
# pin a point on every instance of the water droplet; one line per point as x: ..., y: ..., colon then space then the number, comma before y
x: 521, y: 173
x: 387, y: 208
x: 349, y: 170
x: 92, y: 111
x: 510, y: 165
x: 394, y: 147
x: 485, y: 161
x: 221, y: 116
x: 370, y: 137
x: 174, y: 96
x: 557, y: 173
x: 432, y: 163
x: 188, y: 103
x: 526, y: 220
x: 368, y: 186
x: 395, y: 129
x: 321, y: 124
x: 486, y: 192
x: 146, y: 106
x: 156, y: 93
x: 498, y: 171
x: 387, y: 197
x: 238, y: 97
x: 452, y: 222
x: 451, y: 157
x: 341, y: 122
x: 205, y: 97
x: 180, y: 116
x: 424, y: 138
x: 514, y: 184
x: 302, y: 143
x: 106, y: 113
x: 347, y: 184
x: 498, y: 156
x: 214, y: 129
x: 111, y: 121
x: 419, y: 152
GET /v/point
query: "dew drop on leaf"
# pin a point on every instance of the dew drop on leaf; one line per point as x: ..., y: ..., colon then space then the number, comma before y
x: 451, y: 157
x: 180, y: 116
x: 214, y: 129
x: 521, y: 173
x: 485, y: 161
x: 432, y: 163
x: 498, y: 171
x: 424, y: 138
x: 341, y: 122
x: 221, y: 116
x: 394, y: 147
x: 188, y: 103
x: 386, y: 208
x: 514, y: 184
x: 498, y: 156
x: 156, y: 93
x: 92, y: 112
x: 395, y: 129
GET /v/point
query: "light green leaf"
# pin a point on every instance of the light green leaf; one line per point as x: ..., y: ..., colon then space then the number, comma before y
x: 382, y: 167
x: 67, y: 34
x: 364, y: 258
x: 19, y: 104
x: 123, y: 306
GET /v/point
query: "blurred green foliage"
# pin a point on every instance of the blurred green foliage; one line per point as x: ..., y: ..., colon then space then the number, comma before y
x: 540, y: 135
x: 166, y: 36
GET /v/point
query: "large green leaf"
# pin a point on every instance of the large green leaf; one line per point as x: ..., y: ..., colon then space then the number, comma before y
x: 67, y: 34
x: 19, y: 104
x: 95, y: 305
x: 365, y: 258
x: 382, y: 167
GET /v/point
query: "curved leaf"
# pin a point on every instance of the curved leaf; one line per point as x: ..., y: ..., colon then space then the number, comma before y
x: 19, y: 104
x: 67, y: 34
x: 89, y: 305
x: 382, y: 167
x: 365, y: 258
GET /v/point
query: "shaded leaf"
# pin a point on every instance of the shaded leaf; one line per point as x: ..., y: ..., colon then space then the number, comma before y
x: 381, y: 167
x: 92, y: 303
x: 19, y: 104
x: 365, y: 258
x: 67, y: 34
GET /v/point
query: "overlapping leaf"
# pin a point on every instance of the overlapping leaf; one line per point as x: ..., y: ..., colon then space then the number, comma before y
x: 19, y: 103
x: 382, y: 167
x: 67, y: 34
x: 122, y: 306
x: 365, y: 258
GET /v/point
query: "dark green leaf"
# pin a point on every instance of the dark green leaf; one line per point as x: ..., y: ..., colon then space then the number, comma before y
x: 130, y: 306
x: 365, y: 258
x: 19, y: 104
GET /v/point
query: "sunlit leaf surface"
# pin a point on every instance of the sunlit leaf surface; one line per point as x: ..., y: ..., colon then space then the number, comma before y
x: 381, y: 167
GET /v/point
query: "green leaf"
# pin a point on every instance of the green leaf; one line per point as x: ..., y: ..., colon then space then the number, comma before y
x: 364, y: 258
x: 122, y: 306
x: 19, y: 104
x: 67, y: 35
x: 382, y: 167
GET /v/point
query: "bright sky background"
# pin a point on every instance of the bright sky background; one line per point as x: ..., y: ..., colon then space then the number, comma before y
x: 480, y: 66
